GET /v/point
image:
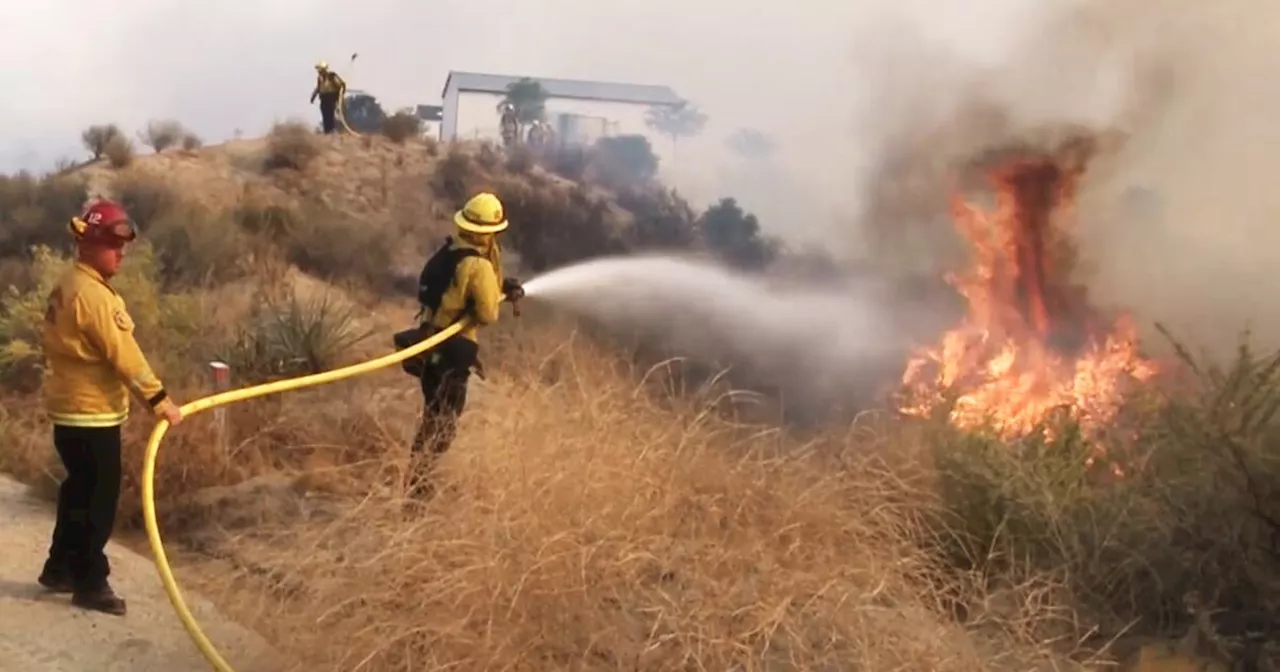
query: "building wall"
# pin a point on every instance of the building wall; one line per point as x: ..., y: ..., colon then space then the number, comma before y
x: 473, y: 115
x: 449, y: 113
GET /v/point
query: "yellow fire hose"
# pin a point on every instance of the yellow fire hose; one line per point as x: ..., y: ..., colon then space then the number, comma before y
x: 230, y: 397
x: 341, y: 112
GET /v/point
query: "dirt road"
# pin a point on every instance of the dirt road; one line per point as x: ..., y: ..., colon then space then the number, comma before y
x: 42, y: 632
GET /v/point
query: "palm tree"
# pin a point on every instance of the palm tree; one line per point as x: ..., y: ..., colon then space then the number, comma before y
x: 529, y: 100
x: 676, y: 121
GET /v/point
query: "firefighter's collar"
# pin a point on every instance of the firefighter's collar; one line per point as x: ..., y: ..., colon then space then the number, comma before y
x: 93, y: 273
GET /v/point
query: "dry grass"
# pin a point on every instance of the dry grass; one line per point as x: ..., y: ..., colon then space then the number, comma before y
x: 582, y: 525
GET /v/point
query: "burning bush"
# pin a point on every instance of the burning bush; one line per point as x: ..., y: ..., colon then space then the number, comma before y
x: 1031, y: 343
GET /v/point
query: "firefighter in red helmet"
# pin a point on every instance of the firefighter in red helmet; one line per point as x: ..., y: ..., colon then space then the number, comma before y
x: 92, y: 367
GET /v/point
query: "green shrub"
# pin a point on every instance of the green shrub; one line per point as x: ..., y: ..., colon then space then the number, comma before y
x: 558, y: 225
x: 35, y: 211
x: 293, y: 336
x: 621, y: 161
x: 661, y: 219
x: 734, y: 235
x: 166, y: 323
x: 1195, y: 514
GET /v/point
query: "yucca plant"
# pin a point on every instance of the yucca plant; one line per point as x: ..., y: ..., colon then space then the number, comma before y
x: 294, y: 336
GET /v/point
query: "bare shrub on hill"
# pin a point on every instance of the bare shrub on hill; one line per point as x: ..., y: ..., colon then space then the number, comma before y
x: 402, y: 126
x: 291, y: 145
x: 119, y: 151
x: 191, y: 142
x: 160, y: 135
x: 333, y: 245
x: 97, y: 138
x: 453, y: 175
x: 197, y: 246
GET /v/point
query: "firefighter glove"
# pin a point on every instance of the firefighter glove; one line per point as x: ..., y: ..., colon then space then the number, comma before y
x: 512, y: 289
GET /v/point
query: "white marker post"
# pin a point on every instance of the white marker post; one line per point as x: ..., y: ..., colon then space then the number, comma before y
x: 221, y: 383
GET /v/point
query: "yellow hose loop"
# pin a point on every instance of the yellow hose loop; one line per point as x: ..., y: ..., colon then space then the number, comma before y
x: 230, y: 397
x: 342, y: 112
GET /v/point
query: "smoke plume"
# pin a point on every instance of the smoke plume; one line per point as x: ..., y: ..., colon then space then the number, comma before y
x: 1173, y: 215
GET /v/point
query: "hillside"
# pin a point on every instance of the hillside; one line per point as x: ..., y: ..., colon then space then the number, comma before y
x: 592, y: 518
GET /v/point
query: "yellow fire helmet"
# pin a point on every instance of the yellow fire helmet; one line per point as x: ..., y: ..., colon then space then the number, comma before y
x: 322, y: 66
x: 482, y: 214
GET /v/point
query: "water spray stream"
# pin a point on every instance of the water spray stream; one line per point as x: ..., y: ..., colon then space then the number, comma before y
x: 823, y: 335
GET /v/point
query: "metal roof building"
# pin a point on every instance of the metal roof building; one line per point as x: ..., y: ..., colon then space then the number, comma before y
x: 579, y: 111
x: 642, y: 94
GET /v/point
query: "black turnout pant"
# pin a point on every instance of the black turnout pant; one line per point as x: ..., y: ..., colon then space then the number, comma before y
x: 328, y: 110
x: 87, y: 501
x: 444, y: 396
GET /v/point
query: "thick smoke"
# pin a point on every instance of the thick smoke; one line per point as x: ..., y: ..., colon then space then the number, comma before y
x: 1174, y: 217
x: 1174, y: 104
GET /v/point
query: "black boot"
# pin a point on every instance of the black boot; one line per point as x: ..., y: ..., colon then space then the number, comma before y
x: 102, y: 599
x: 56, y: 577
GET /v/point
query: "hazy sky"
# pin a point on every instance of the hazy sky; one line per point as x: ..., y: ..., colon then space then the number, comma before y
x: 240, y: 64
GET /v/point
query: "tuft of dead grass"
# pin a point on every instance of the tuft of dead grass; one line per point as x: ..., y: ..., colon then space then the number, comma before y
x: 291, y: 145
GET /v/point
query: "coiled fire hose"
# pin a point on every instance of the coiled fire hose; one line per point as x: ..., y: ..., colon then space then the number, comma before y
x: 198, y: 637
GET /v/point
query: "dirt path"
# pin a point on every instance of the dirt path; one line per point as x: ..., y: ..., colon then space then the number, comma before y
x: 42, y: 632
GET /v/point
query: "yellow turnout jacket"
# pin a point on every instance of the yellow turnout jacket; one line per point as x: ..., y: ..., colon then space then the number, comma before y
x: 92, y: 361
x: 478, y: 280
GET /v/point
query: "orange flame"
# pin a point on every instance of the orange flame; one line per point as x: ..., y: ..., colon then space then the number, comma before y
x: 1030, y: 343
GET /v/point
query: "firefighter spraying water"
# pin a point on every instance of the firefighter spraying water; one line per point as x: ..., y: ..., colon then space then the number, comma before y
x: 464, y: 278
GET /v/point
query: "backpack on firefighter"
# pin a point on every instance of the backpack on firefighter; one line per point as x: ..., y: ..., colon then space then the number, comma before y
x: 436, y: 276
